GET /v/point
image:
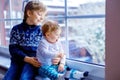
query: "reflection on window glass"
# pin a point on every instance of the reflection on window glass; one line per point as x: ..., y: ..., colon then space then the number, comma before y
x: 89, y: 34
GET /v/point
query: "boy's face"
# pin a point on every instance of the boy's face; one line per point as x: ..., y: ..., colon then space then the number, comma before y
x: 83, y: 52
x: 36, y: 17
x: 53, y: 36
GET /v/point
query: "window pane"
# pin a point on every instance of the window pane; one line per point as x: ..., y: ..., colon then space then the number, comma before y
x: 88, y: 34
x: 11, y: 13
x: 4, y: 8
x: 16, y: 9
x: 85, y: 7
x: 86, y: 30
x: 2, y: 34
x: 55, y: 7
x: 83, y: 26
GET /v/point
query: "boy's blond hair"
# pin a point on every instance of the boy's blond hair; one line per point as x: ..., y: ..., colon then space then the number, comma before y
x: 50, y: 26
x: 33, y: 6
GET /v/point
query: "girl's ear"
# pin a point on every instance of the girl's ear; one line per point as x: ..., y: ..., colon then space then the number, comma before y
x: 29, y: 13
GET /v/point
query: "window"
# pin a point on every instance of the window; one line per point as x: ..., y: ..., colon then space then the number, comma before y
x: 82, y: 21
x: 86, y: 30
x: 11, y: 14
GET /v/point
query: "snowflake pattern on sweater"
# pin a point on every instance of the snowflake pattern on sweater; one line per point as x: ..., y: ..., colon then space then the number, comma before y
x: 25, y: 35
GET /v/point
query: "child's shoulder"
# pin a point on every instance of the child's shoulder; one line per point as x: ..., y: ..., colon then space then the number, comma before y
x: 43, y: 40
x: 17, y: 26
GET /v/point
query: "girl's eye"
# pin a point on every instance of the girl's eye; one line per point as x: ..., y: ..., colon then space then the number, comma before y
x: 39, y: 14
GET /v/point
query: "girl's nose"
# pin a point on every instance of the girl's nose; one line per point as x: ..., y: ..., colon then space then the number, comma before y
x: 41, y: 18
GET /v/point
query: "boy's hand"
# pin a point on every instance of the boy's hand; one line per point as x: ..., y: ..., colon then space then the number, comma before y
x: 60, y: 55
x: 33, y: 61
x: 55, y: 60
x: 61, y: 67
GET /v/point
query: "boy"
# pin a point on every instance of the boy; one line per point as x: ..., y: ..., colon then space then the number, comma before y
x: 49, y: 48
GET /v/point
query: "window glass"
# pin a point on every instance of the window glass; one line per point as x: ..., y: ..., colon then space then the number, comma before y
x: 11, y: 14
x: 16, y: 9
x: 82, y: 23
x: 2, y: 34
x: 55, y: 8
x: 85, y: 7
x: 86, y: 30
x: 90, y: 35
x: 4, y: 9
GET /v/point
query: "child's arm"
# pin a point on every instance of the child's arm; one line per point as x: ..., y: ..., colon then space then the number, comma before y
x: 43, y: 51
x: 63, y: 56
x: 33, y: 61
x: 62, y: 64
x: 63, y: 60
x: 55, y: 61
x: 15, y: 51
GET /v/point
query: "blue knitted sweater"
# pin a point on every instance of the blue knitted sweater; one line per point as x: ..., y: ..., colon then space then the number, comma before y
x: 24, y: 40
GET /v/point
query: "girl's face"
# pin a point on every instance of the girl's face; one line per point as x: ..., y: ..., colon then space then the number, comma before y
x: 53, y: 37
x: 36, y: 17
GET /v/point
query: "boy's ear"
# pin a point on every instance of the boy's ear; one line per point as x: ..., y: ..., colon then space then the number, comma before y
x: 47, y: 34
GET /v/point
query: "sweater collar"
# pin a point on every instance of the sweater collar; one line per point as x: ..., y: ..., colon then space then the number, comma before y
x: 30, y: 26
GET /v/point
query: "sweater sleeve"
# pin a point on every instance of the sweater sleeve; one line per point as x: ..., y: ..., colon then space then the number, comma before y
x: 43, y: 50
x: 14, y: 48
x: 63, y: 60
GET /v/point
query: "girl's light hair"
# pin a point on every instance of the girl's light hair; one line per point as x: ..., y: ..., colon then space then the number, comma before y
x: 50, y: 26
x: 33, y: 6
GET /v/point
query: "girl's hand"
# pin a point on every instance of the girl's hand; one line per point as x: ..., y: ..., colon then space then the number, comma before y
x: 61, y: 67
x: 33, y: 61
